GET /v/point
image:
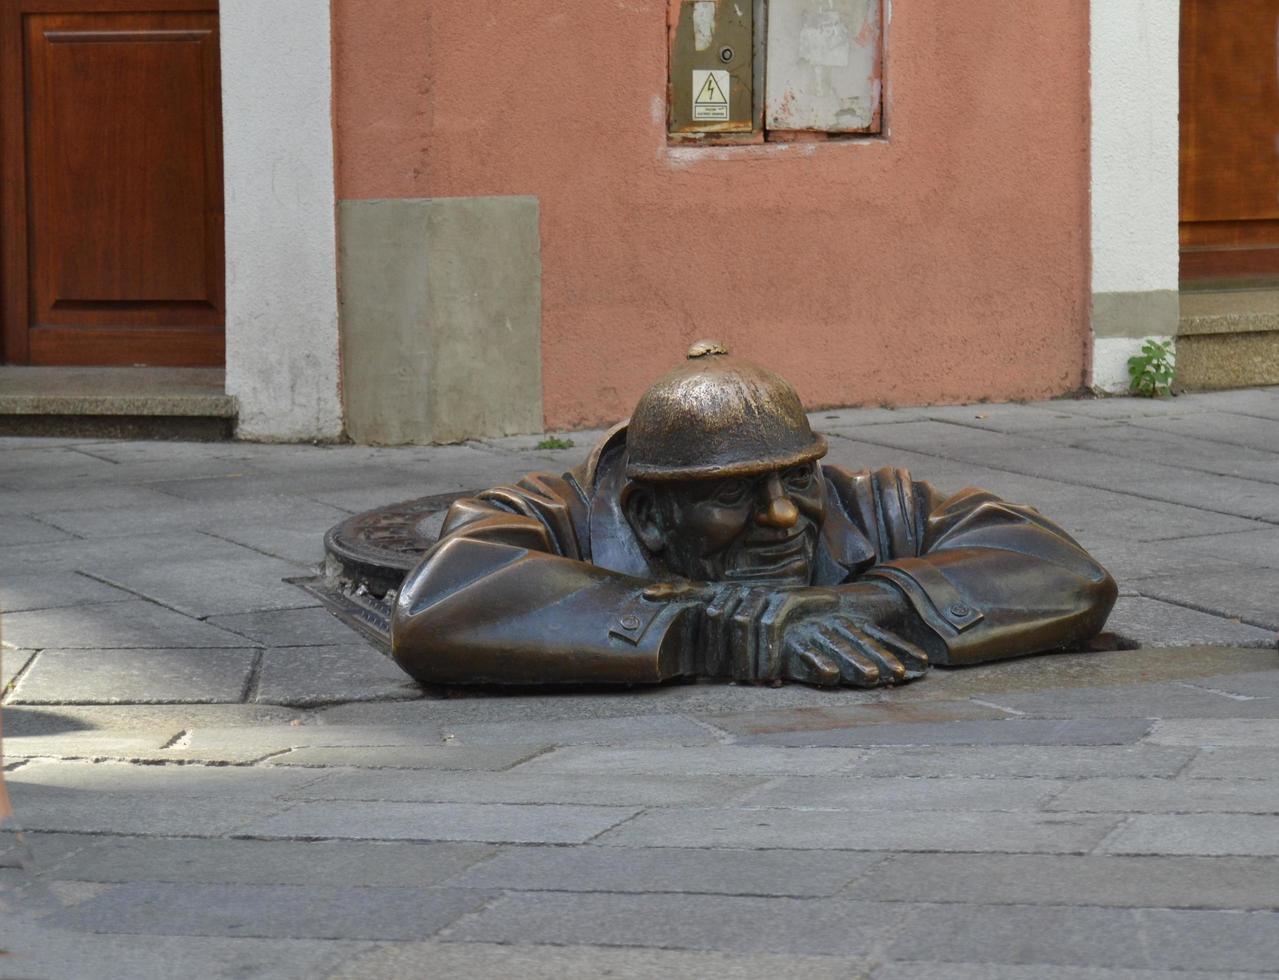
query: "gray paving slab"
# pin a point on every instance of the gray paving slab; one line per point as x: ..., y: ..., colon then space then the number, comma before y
x: 299, y: 542
x: 83, y: 744
x: 667, y: 869
x: 825, y: 718
x: 1178, y: 699
x: 1259, y: 734
x: 1257, y: 548
x: 57, y: 954
x: 1133, y: 938
x: 846, y: 830
x: 715, y: 760
x: 903, y: 793
x: 1073, y: 880
x: 200, y: 676
x: 1230, y: 428
x: 1167, y: 796
x: 20, y: 593
x: 310, y: 626
x: 352, y: 671
x: 16, y: 529
x: 1196, y: 833
x: 498, y: 823
x: 238, y: 782
x: 113, y: 626
x: 394, y: 864
x: 418, y: 756
x: 719, y: 922
x: 176, y: 514
x: 412, y: 961
x: 11, y: 663
x: 102, y: 497
x: 141, y: 718
x: 916, y: 970
x: 1246, y: 593
x: 269, y: 911
x: 1010, y: 731
x: 465, y: 785
x: 1254, y: 684
x: 1149, y: 444
x: 588, y: 731
x: 208, y: 587
x: 124, y: 813
x: 1048, y: 761
x: 1151, y: 622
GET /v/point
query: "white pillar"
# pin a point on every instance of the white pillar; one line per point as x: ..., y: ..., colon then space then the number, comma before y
x: 281, y: 289
x: 1135, y: 144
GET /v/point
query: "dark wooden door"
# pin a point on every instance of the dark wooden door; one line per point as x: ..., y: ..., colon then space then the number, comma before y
x: 112, y: 163
x: 1229, y: 139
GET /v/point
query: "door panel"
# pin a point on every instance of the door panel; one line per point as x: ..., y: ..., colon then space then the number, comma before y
x: 1229, y: 130
x: 122, y: 261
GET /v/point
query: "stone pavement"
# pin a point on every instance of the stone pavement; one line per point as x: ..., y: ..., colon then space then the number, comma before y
x: 215, y: 778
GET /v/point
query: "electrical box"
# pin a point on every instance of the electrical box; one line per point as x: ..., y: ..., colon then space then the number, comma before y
x: 712, y: 66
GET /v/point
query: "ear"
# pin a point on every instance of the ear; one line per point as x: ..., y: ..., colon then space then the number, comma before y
x: 639, y: 503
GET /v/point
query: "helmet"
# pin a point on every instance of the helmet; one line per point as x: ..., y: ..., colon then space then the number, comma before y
x: 717, y: 416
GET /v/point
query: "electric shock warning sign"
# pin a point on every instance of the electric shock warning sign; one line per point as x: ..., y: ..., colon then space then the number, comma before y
x: 710, y: 95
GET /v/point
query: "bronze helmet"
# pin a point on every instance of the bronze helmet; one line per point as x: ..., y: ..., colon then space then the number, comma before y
x: 715, y: 415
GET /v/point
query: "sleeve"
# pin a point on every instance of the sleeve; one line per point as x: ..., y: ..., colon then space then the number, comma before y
x: 991, y: 579
x: 504, y: 598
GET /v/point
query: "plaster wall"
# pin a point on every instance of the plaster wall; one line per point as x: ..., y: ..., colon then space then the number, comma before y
x: 1135, y: 145
x: 281, y: 288
x: 945, y: 262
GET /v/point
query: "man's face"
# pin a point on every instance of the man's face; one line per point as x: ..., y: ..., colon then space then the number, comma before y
x: 760, y: 528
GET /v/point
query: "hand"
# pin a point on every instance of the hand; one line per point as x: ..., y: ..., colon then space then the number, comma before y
x: 844, y: 649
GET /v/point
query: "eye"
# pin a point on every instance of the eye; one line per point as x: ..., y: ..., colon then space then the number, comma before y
x: 798, y: 477
x: 732, y: 492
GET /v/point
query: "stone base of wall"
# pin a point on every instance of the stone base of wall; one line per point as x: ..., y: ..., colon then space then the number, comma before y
x: 1228, y: 360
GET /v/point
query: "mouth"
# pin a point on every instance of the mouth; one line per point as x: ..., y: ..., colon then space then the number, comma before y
x: 784, y: 559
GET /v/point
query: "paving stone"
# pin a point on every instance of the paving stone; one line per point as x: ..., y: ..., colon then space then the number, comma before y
x: 40, y: 852
x: 719, y: 922
x: 1149, y: 622
x: 721, y: 760
x: 1135, y: 938
x: 1247, y: 594
x: 997, y: 971
x: 16, y: 529
x: 237, y: 782
x: 838, y: 829
x: 135, y: 676
x: 83, y: 744
x: 1167, y: 796
x: 178, y: 514
x: 1050, y: 761
x: 465, y: 757
x: 1011, y: 731
x: 207, y: 587
x: 141, y: 718
x: 99, y: 496
x: 588, y: 731
x: 1196, y: 833
x: 1180, y: 699
x: 20, y: 593
x: 412, y: 961
x: 1261, y: 684
x: 113, y: 626
x: 393, y: 864
x: 1220, y: 427
x: 314, y: 675
x: 11, y: 664
x: 299, y: 542
x: 448, y: 786
x: 1069, y: 879
x: 667, y: 869
x: 270, y: 911
x: 122, y: 813
x: 822, y: 718
x: 1258, y: 733
x: 497, y: 823
x: 310, y: 626
x: 903, y: 793
x: 56, y: 954
x: 1230, y: 764
x: 1260, y: 548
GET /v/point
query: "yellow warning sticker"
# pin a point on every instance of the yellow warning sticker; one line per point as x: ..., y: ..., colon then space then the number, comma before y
x: 710, y: 95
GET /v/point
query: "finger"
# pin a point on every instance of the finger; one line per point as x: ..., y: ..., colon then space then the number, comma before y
x: 857, y: 669
x: 912, y: 657
x: 771, y: 633
x: 811, y: 667
x: 744, y: 627
x: 891, y: 670
x: 718, y: 643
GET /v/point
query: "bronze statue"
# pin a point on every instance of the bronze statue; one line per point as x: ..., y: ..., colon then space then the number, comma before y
x: 702, y: 539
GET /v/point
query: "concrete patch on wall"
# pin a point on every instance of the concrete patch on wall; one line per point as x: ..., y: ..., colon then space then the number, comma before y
x: 1141, y: 314
x: 441, y: 318
x: 1110, y: 361
x: 281, y: 283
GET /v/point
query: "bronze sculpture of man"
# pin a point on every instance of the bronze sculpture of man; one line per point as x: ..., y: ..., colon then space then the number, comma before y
x: 702, y: 539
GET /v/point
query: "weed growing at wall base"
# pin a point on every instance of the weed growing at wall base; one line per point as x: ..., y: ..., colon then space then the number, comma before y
x: 1150, y: 372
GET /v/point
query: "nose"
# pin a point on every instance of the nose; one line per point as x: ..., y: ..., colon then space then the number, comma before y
x: 777, y: 510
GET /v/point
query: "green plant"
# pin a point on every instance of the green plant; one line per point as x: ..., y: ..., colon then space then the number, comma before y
x: 555, y: 442
x: 1150, y: 372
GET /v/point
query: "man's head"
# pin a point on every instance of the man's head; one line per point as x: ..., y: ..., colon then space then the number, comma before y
x: 724, y: 479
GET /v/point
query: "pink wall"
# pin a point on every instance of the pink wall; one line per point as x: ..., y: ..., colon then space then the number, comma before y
x: 947, y: 263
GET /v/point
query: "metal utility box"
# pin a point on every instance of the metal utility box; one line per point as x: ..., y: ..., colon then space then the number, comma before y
x: 711, y: 86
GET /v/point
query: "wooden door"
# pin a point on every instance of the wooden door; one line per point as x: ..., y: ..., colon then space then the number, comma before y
x: 1229, y: 139
x: 111, y: 220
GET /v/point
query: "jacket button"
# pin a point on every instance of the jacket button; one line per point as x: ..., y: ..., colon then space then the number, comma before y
x: 959, y: 610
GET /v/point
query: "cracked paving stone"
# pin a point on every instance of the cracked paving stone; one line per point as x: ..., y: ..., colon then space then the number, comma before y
x: 201, y: 676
